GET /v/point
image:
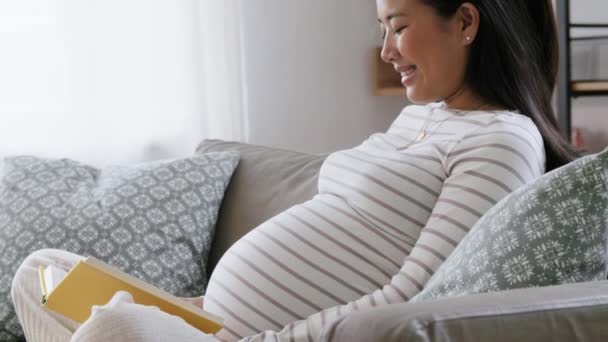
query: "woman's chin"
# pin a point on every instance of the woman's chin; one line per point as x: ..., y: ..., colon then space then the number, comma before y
x: 415, y: 97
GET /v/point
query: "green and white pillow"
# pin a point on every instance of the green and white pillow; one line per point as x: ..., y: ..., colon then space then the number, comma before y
x: 154, y: 220
x: 552, y: 231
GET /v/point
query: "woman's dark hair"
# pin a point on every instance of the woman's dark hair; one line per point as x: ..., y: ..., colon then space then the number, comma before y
x: 514, y: 62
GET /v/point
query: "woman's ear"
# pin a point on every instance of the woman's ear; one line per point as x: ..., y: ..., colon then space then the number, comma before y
x: 469, y: 22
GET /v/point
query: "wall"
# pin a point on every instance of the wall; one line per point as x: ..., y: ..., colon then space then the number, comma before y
x: 309, y: 77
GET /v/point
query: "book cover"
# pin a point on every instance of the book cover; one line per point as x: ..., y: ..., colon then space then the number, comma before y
x: 93, y: 282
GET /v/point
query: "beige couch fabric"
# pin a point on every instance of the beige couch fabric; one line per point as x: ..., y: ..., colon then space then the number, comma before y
x: 266, y: 182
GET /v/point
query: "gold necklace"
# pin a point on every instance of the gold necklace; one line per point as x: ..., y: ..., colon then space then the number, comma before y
x: 423, y: 133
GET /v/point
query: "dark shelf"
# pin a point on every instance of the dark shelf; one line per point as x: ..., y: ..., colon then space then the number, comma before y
x: 582, y: 38
x: 589, y: 25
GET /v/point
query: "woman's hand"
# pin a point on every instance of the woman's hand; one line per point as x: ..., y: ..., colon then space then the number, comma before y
x: 196, y: 301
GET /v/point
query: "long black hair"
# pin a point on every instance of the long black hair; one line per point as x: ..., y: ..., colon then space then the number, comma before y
x: 513, y: 63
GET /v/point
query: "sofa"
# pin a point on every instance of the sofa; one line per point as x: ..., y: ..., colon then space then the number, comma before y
x: 269, y: 180
x: 465, y: 300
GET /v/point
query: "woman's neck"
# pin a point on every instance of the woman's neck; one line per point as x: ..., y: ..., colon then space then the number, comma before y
x: 465, y: 99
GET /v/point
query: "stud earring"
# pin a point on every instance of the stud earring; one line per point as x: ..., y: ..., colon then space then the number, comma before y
x: 468, y: 39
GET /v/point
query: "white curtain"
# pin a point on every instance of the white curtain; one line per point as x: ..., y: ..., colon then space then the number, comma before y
x: 225, y: 77
x: 115, y: 81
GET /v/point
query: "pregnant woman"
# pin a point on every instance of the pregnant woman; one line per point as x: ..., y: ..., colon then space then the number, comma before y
x: 389, y: 211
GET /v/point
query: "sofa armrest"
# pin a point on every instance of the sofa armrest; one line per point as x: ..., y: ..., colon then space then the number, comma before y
x: 573, y: 312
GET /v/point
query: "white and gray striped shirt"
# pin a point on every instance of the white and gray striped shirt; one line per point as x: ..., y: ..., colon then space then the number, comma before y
x: 383, y: 221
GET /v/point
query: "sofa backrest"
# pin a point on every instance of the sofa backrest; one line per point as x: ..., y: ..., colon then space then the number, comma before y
x: 266, y: 182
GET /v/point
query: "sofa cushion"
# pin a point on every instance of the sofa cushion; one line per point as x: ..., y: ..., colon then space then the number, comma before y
x: 266, y: 182
x: 549, y: 232
x: 154, y: 220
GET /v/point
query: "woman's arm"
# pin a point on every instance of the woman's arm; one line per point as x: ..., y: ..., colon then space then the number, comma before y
x: 483, y: 168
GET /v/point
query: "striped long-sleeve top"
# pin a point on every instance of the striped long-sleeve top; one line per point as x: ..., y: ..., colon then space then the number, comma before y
x: 387, y: 214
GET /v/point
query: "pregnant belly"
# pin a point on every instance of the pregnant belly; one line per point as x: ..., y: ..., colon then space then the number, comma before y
x: 313, y: 256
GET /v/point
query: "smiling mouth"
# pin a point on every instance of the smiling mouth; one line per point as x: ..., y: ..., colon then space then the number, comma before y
x: 408, y: 70
x: 407, y: 74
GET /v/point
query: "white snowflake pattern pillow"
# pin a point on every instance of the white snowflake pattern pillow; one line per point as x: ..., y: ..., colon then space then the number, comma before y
x: 153, y: 220
x: 549, y: 232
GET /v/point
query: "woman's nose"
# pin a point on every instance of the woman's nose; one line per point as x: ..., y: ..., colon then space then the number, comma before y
x: 389, y: 52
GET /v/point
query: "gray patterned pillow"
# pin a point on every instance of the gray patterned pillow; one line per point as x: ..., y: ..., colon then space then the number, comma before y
x: 154, y: 220
x: 549, y: 232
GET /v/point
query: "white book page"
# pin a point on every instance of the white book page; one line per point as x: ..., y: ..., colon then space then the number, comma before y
x: 53, y: 275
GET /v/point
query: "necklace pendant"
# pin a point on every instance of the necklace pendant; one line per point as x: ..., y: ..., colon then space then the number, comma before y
x: 421, y: 136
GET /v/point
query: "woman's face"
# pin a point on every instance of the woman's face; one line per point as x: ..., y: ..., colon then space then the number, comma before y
x: 430, y: 52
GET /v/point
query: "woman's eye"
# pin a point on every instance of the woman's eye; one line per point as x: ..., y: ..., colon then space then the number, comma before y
x: 399, y: 30
x: 396, y: 32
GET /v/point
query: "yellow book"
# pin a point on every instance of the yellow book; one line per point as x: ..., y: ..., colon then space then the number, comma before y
x: 93, y: 282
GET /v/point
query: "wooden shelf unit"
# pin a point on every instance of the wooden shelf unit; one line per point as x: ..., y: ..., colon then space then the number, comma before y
x: 566, y: 87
